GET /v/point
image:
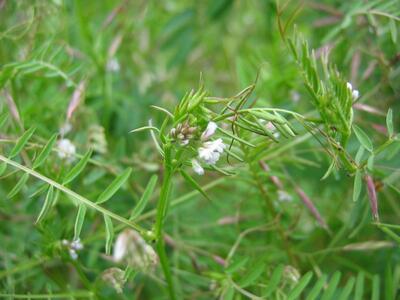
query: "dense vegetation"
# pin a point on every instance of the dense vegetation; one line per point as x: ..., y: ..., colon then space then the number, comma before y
x: 221, y: 149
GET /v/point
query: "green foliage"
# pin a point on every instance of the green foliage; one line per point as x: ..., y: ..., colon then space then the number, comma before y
x: 110, y: 143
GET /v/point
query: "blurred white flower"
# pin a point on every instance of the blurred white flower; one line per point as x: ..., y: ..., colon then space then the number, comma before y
x: 197, y: 168
x: 66, y: 150
x: 284, y: 196
x: 73, y: 247
x: 131, y: 248
x: 115, y: 277
x: 210, y: 130
x: 354, y: 93
x: 113, y: 65
x: 211, y: 151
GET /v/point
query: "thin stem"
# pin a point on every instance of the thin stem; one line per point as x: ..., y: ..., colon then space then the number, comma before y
x: 73, y: 194
x: 162, y: 207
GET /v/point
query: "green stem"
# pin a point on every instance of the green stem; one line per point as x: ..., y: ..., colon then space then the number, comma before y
x: 162, y: 207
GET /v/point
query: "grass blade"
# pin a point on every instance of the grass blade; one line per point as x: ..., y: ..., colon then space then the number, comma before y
x: 3, y: 167
x: 21, y: 142
x: 114, y: 186
x: 78, y: 168
x: 375, y: 288
x: 145, y: 198
x: 389, y: 122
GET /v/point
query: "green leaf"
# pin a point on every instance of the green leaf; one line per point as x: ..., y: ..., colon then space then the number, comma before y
x: 114, y: 186
x: 357, y: 185
x: 145, y: 198
x: 237, y: 265
x: 3, y: 167
x: 359, y: 286
x: 359, y: 155
x: 375, y: 288
x: 345, y: 294
x: 274, y: 281
x: 298, y: 289
x: 317, y: 288
x: 363, y: 138
x: 370, y: 162
x: 252, y: 275
x: 3, y: 119
x: 48, y: 202
x: 78, y: 168
x: 235, y: 137
x: 80, y: 218
x: 390, y: 286
x: 20, y: 184
x: 194, y: 184
x: 45, y: 152
x: 109, y: 233
x: 229, y: 293
x: 389, y: 122
x: 332, y: 286
x: 21, y: 142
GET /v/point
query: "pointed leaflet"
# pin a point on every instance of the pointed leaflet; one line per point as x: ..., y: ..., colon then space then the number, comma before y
x: 252, y: 275
x: 114, y: 186
x: 78, y: 168
x: 332, y: 286
x: 274, y: 281
x: 344, y: 295
x: 3, y: 119
x: 194, y: 184
x: 21, y: 142
x: 145, y: 198
x: 363, y: 138
x: 3, y: 167
x: 317, y: 288
x: 298, y: 289
x: 359, y: 286
x: 20, y: 184
x: 48, y: 202
x: 357, y: 185
x: 389, y: 122
x: 45, y: 152
x: 109, y: 233
x: 80, y: 217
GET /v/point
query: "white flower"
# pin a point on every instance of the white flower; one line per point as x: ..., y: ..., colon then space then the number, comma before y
x: 354, y: 93
x: 284, y: 196
x: 66, y: 150
x: 132, y: 248
x: 211, y: 151
x: 197, y: 168
x: 210, y: 130
x: 73, y: 247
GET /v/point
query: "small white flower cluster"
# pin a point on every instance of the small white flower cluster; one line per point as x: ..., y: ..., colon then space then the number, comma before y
x: 66, y: 150
x: 73, y: 247
x: 133, y: 249
x: 210, y: 151
x: 354, y: 93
